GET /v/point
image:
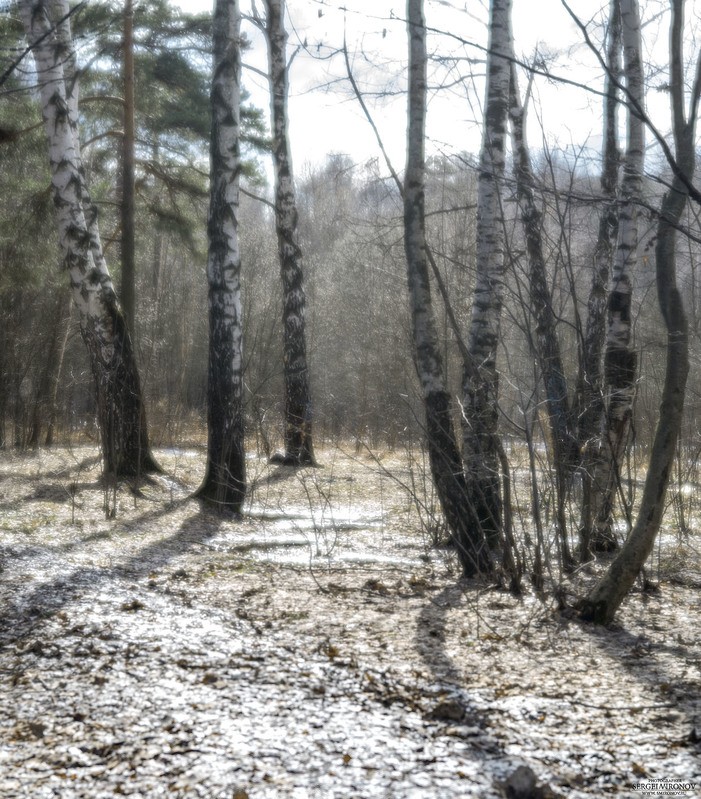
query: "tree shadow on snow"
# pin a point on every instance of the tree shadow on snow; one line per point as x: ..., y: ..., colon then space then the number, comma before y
x: 23, y: 616
x: 643, y: 657
x: 456, y: 706
x: 430, y: 634
x: 278, y: 475
x: 117, y: 529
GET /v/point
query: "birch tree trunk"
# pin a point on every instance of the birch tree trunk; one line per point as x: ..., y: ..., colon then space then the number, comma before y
x: 298, y: 405
x: 120, y: 409
x: 590, y: 393
x: 549, y: 356
x: 561, y: 423
x: 225, y: 480
x: 620, y: 361
x: 59, y: 11
x: 481, y: 386
x: 605, y: 599
x: 444, y: 454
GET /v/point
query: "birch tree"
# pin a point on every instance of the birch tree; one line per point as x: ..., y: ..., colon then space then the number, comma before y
x: 444, y: 453
x: 620, y: 360
x: 590, y: 389
x: 298, y: 405
x: 561, y: 422
x: 481, y: 385
x: 120, y: 409
x: 604, y: 600
x: 225, y: 480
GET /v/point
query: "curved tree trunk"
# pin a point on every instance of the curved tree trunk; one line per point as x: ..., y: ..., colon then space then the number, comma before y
x: 444, y: 454
x: 225, y: 480
x: 603, y: 602
x: 481, y: 386
x: 298, y: 405
x: 121, y: 413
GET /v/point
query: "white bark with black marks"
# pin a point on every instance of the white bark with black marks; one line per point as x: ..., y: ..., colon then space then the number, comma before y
x: 546, y: 344
x: 64, y: 38
x: 298, y: 405
x: 225, y: 481
x: 605, y: 599
x: 620, y: 357
x: 481, y: 385
x: 590, y: 389
x: 546, y: 341
x: 444, y: 453
x: 120, y: 407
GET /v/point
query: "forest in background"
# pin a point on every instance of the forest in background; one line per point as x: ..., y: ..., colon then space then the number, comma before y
x: 351, y: 231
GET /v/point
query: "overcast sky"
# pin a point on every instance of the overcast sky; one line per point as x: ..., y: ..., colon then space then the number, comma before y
x: 325, y: 118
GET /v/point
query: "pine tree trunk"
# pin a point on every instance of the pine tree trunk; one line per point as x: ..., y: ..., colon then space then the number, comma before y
x: 590, y: 391
x: 224, y: 484
x: 53, y: 401
x: 121, y: 414
x: 5, y: 339
x: 620, y: 362
x: 444, y: 454
x: 298, y: 405
x: 42, y: 406
x: 127, y: 209
x: 481, y: 386
x: 605, y: 599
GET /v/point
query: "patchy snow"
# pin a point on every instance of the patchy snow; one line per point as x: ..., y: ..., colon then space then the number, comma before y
x: 317, y: 648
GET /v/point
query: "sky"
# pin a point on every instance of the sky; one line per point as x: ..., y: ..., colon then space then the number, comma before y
x: 325, y: 117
